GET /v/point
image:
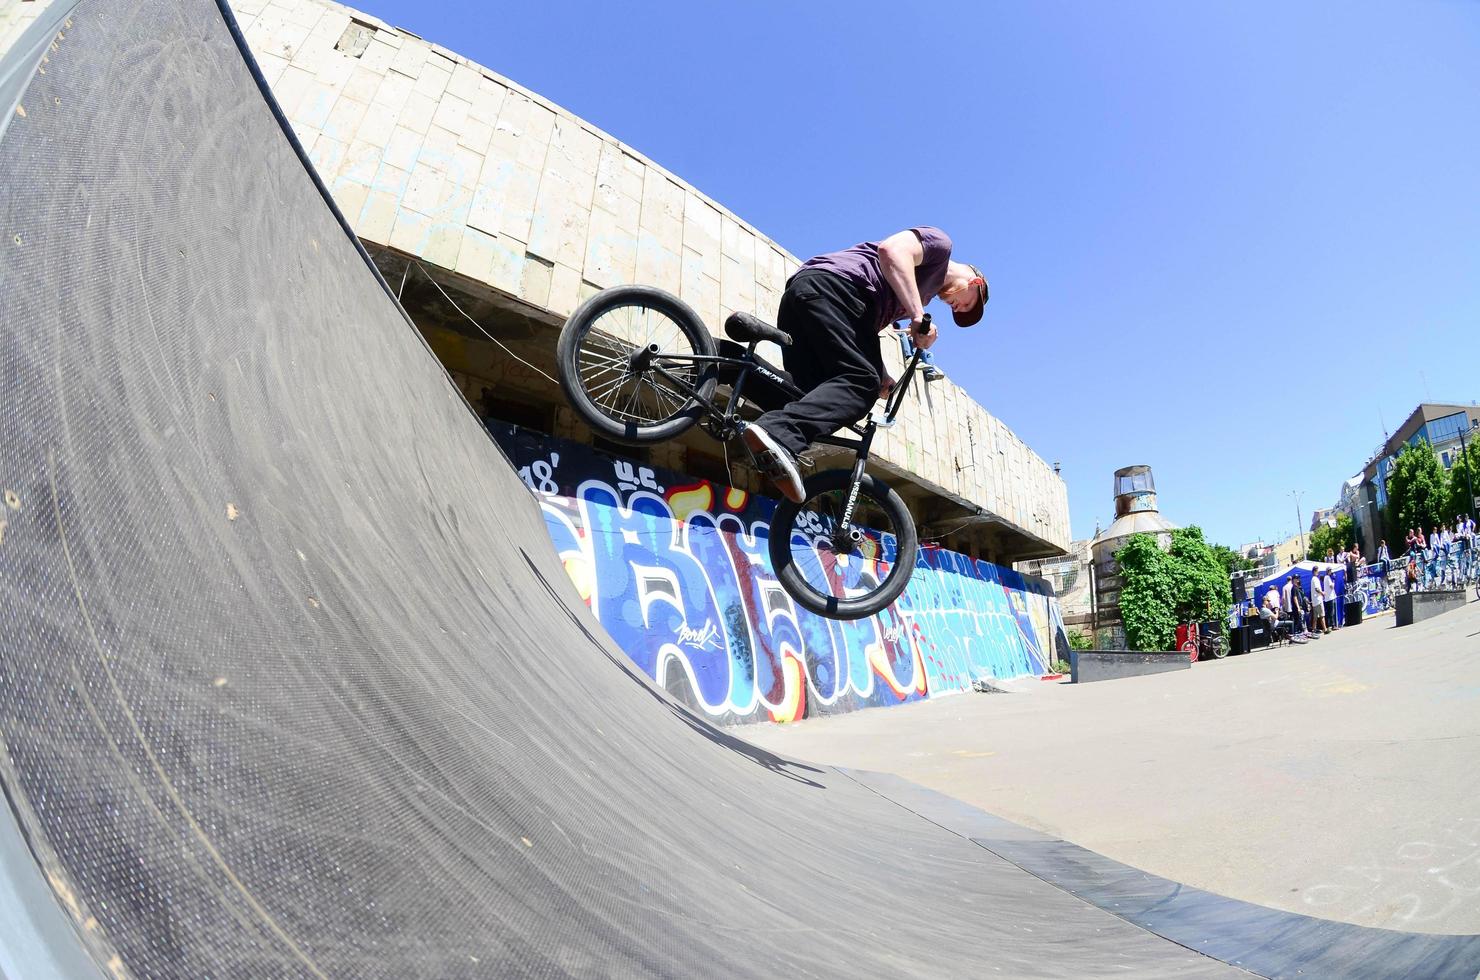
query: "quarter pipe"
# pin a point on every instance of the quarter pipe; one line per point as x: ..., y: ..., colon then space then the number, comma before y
x: 292, y: 683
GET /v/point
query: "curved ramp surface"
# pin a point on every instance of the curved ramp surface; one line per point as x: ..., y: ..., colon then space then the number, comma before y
x: 291, y: 681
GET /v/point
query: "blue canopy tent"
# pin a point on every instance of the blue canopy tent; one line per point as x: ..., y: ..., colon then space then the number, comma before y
x: 1302, y: 571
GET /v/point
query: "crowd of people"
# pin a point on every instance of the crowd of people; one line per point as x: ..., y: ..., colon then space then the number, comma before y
x: 1311, y: 614
x: 1443, y: 558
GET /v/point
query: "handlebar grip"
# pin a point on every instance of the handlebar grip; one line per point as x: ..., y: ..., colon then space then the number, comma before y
x: 924, y: 324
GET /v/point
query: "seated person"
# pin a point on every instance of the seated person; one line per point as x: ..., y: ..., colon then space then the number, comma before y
x: 1269, y: 611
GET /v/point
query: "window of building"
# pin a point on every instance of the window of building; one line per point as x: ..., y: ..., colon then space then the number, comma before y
x: 1133, y: 483
x: 1441, y: 430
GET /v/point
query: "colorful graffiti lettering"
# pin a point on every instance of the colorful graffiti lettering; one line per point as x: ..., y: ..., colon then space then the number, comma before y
x: 678, y: 572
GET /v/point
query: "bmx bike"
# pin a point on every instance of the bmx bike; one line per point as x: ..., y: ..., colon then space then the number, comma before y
x: 638, y: 365
x: 1204, y: 644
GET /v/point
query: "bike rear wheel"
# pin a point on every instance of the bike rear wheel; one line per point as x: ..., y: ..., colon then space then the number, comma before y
x: 620, y: 359
x: 822, y: 566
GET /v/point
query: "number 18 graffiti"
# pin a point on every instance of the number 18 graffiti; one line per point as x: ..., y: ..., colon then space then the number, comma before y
x: 539, y: 476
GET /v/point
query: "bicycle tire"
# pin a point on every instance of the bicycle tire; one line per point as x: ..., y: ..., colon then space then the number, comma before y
x: 607, y: 421
x: 795, y: 581
x: 1190, y: 648
x: 1218, y: 646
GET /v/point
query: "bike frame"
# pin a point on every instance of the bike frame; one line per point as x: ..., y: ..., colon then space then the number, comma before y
x: 727, y: 420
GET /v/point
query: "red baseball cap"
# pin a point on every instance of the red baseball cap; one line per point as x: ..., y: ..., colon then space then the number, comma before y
x: 974, y: 314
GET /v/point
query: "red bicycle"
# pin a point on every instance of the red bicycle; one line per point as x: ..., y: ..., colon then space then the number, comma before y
x: 1199, y: 644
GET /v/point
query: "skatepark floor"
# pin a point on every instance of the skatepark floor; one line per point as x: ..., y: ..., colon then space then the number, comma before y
x: 1339, y: 779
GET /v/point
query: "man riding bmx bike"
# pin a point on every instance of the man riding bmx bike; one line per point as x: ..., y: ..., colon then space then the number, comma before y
x: 834, y: 308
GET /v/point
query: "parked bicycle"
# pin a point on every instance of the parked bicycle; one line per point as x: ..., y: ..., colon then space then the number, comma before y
x: 638, y: 365
x: 1204, y: 644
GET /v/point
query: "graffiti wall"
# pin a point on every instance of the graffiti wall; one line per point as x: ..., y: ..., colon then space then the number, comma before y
x: 677, y: 570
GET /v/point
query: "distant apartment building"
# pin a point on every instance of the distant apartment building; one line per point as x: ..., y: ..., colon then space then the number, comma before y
x: 1445, y: 427
x: 1321, y: 515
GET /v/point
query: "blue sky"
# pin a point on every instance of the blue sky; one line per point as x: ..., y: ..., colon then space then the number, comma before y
x: 1228, y: 240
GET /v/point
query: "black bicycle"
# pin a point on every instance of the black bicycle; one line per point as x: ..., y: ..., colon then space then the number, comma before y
x: 640, y: 367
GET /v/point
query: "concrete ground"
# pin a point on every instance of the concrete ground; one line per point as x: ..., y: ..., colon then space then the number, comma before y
x: 1340, y: 779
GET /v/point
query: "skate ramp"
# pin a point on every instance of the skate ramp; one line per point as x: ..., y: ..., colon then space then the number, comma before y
x: 292, y: 683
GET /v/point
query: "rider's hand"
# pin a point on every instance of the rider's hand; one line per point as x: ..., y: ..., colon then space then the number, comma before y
x: 886, y: 385
x: 920, y: 335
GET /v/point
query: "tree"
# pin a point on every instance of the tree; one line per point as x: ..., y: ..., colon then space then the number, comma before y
x: 1232, y: 560
x: 1464, y: 465
x: 1203, y: 589
x: 1186, y: 583
x: 1418, y: 491
x: 1327, y: 538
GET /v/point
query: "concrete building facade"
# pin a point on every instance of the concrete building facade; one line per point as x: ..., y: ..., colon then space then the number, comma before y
x: 496, y: 213
x: 1444, y: 426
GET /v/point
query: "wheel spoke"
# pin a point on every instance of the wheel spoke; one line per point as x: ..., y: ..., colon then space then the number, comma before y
x: 610, y: 400
x: 601, y: 391
x: 613, y: 344
x: 593, y: 358
x: 668, y: 396
x: 600, y: 371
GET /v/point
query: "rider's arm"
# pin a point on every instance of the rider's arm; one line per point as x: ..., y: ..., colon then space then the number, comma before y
x: 899, y: 254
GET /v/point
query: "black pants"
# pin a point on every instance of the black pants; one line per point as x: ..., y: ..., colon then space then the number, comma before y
x: 834, y: 357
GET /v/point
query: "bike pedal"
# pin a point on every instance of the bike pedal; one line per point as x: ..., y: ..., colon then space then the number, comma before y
x: 882, y: 421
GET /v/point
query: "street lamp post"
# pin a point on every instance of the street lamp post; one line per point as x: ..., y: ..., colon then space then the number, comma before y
x: 1469, y: 480
x: 1299, y: 521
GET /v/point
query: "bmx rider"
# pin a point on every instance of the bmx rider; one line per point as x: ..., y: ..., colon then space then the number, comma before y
x: 835, y: 307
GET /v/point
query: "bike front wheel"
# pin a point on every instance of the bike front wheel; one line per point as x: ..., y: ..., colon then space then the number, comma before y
x: 843, y: 572
x: 627, y: 364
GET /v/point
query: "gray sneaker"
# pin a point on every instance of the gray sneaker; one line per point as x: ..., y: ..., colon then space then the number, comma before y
x: 775, y: 462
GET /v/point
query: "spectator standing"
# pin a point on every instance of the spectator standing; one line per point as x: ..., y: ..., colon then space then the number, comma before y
x: 1317, y: 602
x: 928, y: 370
x: 1465, y: 543
x: 1431, y: 558
x: 1328, y: 582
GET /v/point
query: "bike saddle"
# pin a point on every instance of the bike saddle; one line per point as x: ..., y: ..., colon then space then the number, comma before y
x: 746, y: 328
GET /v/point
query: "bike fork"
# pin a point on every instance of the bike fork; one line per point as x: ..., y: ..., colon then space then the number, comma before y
x: 855, y: 535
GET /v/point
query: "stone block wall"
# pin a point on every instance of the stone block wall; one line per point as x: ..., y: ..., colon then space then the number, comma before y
x: 444, y: 160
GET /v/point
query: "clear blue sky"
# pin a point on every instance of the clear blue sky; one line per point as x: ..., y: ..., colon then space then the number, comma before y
x: 1230, y: 240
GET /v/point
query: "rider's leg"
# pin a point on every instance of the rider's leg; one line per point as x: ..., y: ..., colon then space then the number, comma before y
x: 834, y: 358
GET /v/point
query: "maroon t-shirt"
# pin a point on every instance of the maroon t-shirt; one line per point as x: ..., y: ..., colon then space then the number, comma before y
x: 860, y: 265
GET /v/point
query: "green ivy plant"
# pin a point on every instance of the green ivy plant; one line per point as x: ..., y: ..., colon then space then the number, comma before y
x: 1186, y: 583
